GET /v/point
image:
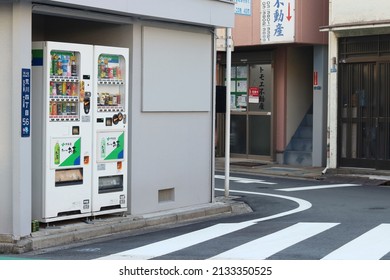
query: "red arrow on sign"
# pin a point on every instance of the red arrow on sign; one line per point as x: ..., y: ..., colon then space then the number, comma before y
x: 289, y: 12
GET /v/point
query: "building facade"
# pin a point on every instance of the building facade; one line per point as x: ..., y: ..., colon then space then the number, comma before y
x: 359, y: 93
x: 279, y: 82
x: 170, y: 138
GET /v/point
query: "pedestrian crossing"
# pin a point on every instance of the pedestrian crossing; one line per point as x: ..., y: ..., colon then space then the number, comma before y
x: 373, y: 244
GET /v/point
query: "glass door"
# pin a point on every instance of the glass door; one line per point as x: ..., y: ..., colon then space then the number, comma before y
x: 251, y: 110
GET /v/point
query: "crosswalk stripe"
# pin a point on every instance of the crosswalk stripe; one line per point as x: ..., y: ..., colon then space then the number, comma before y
x: 371, y: 245
x: 317, y: 187
x: 269, y: 245
x: 177, y: 243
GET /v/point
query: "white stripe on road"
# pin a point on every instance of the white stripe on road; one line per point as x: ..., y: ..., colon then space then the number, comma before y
x: 302, y: 204
x: 271, y: 244
x: 183, y: 241
x: 244, y: 180
x: 317, y: 187
x: 372, y: 245
x: 176, y: 243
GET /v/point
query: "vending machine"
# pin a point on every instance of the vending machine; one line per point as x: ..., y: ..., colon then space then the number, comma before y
x: 109, y: 191
x: 62, y: 127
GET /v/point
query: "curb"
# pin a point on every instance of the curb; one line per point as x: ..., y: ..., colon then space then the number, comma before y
x: 76, y: 231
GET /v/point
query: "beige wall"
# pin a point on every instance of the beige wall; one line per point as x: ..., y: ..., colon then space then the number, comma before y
x: 352, y: 11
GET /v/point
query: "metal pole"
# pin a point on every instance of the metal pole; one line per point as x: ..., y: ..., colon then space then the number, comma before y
x: 228, y: 89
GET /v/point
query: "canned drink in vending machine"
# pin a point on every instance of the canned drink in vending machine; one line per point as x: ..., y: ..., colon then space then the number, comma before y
x: 73, y: 109
x: 63, y: 109
x: 59, y: 109
x: 68, y: 109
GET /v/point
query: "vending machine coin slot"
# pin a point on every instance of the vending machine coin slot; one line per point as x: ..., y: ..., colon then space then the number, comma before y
x: 108, y: 121
x: 87, y: 102
x: 75, y: 130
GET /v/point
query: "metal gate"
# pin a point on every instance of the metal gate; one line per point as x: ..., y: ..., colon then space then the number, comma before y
x: 364, y: 102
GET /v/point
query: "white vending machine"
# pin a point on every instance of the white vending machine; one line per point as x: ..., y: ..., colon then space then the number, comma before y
x: 61, y: 130
x: 109, y: 191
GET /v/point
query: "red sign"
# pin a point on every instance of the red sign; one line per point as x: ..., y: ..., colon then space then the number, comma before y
x: 315, y: 78
x: 254, y: 91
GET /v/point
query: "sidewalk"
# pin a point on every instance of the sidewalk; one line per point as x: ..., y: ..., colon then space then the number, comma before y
x: 352, y: 175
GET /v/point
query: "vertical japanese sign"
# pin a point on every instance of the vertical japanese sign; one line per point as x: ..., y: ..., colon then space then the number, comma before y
x: 25, y: 105
x: 243, y: 7
x: 263, y: 89
x: 277, y: 21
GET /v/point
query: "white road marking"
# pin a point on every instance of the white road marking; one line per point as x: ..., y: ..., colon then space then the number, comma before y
x: 372, y: 245
x: 302, y: 204
x: 318, y: 187
x: 271, y: 244
x: 244, y: 180
x: 183, y: 241
x: 176, y: 243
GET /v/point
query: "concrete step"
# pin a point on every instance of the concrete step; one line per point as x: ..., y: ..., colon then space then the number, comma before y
x: 298, y: 158
x: 301, y: 144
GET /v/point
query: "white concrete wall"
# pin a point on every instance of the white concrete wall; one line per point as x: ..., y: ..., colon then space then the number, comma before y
x: 5, y: 124
x: 352, y: 11
x: 169, y: 149
x: 15, y: 161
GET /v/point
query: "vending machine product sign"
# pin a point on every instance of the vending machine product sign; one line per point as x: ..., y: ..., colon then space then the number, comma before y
x: 111, y: 146
x: 66, y: 152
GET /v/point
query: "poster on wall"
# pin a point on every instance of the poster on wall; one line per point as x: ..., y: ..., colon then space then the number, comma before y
x: 277, y: 21
x: 239, y: 88
x: 254, y: 94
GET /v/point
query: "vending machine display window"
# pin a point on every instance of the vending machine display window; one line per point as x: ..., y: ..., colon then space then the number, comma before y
x: 111, y: 92
x: 66, y: 90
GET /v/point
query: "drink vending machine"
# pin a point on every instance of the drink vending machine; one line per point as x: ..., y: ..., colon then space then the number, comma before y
x: 110, y: 130
x: 72, y: 178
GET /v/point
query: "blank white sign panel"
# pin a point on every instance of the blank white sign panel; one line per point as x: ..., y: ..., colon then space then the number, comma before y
x: 176, y: 70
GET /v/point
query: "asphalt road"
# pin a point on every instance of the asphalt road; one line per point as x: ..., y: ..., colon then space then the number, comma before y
x: 292, y: 219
